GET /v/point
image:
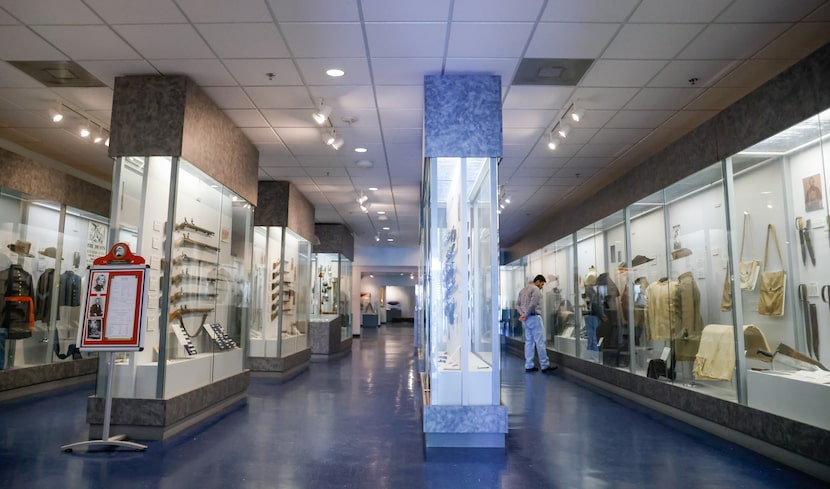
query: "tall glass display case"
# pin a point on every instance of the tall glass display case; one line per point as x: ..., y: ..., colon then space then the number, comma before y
x: 196, y: 235
x: 332, y: 288
x: 461, y: 248
x: 281, y: 293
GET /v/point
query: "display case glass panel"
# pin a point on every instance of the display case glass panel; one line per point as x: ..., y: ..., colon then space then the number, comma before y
x: 562, y: 295
x: 196, y: 236
x: 345, y: 294
x: 46, y: 247
x: 512, y: 278
x: 463, y: 268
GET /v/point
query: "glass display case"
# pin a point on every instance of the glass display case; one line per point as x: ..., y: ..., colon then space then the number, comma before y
x: 461, y: 249
x: 512, y: 277
x: 46, y: 248
x: 332, y: 288
x: 196, y: 236
x: 281, y: 293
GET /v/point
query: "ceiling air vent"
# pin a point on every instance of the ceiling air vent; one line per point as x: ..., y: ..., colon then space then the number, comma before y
x: 58, y: 73
x: 546, y: 71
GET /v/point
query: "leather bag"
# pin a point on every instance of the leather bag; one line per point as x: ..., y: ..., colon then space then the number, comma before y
x: 773, y: 284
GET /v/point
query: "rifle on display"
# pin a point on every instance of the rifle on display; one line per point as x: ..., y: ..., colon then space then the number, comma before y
x: 183, y: 259
x: 186, y: 311
x: 186, y: 240
x: 191, y: 295
x: 193, y: 227
x: 186, y: 277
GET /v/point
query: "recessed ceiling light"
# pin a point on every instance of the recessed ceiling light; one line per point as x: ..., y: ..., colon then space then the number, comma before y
x: 335, y: 72
x: 385, y: 228
x: 360, y: 150
x: 373, y: 188
x: 381, y: 212
x: 390, y: 239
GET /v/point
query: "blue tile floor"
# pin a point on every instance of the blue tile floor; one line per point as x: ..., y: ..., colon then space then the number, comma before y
x: 355, y: 423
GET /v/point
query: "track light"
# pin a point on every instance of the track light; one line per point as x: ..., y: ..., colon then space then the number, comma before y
x: 84, y: 129
x: 362, y: 199
x: 377, y: 237
x: 329, y: 137
x: 322, y: 114
x: 507, y: 200
x: 100, y: 136
x: 578, y: 114
x: 337, y: 143
x: 553, y: 141
x: 564, y: 130
x: 365, y: 208
x: 56, y: 113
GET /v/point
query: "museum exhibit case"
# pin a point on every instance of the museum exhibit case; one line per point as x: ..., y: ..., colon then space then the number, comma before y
x: 46, y: 249
x: 196, y: 236
x: 281, y: 293
x: 332, y: 289
x: 512, y: 277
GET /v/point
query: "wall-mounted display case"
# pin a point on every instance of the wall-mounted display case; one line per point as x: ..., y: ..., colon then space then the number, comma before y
x: 45, y: 249
x: 281, y: 293
x: 196, y: 236
x: 715, y: 283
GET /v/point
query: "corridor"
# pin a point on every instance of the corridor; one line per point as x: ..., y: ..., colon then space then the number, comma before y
x: 355, y: 423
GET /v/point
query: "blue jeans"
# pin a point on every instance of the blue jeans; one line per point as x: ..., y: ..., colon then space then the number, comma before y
x: 591, y: 325
x: 535, y: 338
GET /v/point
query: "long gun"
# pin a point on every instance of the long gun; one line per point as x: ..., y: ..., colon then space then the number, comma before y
x: 191, y: 295
x: 186, y: 311
x: 183, y: 259
x: 192, y: 226
x: 198, y: 244
x: 187, y: 277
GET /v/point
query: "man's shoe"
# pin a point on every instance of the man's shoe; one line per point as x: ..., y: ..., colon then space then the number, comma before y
x: 532, y: 369
x: 550, y: 368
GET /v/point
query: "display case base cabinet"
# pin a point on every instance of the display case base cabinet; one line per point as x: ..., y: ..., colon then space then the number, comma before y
x: 282, y: 368
x: 182, y: 375
x: 465, y: 426
x: 158, y: 419
x: 20, y: 382
x: 788, y: 397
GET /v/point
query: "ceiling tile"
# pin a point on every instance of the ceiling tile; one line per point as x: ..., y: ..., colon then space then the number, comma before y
x: 165, y: 41
x: 481, y: 40
x: 6, y: 19
x: 11, y: 77
x: 822, y: 14
x: 400, y: 97
x: 324, y: 40
x: 199, y: 11
x: 132, y: 12
x: 619, y: 136
x: 405, y: 10
x: 504, y: 67
x: 797, y: 42
x: 716, y: 98
x: 313, y: 71
x: 521, y: 135
x: 588, y: 10
x: 47, y: 12
x: 228, y: 97
x: 404, y: 71
x: 285, y: 171
x: 280, y: 97
x: 346, y: 98
x: 596, y: 118
x: 651, y: 41
x: 558, y: 40
x: 731, y: 41
x: 673, y: 11
x: 768, y: 10
x: 260, y: 135
x: 97, y: 98
x: 253, y: 72
x: 662, y: 98
x: 246, y: 118
x: 578, y: 163
x: 621, y: 73
x: 527, y: 118
x: 403, y: 135
x: 260, y: 40
x: 680, y: 73
x: 689, y: 119
x: 537, y: 97
x: 106, y: 71
x: 315, y: 11
x: 752, y: 73
x: 17, y: 43
x: 604, y: 98
x: 205, y: 72
x: 402, y: 118
x: 406, y: 40
x: 496, y: 10
x: 87, y: 42
x: 289, y: 117
x: 648, y: 119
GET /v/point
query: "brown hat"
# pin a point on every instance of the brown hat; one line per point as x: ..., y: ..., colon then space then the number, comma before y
x: 51, y: 252
x: 21, y: 247
x: 639, y: 260
x: 680, y: 253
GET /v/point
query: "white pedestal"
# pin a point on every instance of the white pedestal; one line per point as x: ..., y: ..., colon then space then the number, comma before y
x: 789, y: 397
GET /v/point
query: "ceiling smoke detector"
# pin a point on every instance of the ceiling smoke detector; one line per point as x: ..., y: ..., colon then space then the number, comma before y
x: 364, y: 164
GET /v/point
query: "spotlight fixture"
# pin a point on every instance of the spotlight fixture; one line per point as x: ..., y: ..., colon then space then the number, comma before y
x: 377, y: 237
x: 365, y: 208
x: 578, y: 114
x: 83, y: 129
x: 56, y: 113
x: 362, y: 198
x: 321, y: 115
x: 337, y: 143
x: 329, y: 136
x: 564, y: 130
x: 100, y: 136
x: 507, y: 200
x: 553, y: 141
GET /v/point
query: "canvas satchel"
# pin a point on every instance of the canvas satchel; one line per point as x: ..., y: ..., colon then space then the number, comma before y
x: 748, y: 269
x: 773, y: 284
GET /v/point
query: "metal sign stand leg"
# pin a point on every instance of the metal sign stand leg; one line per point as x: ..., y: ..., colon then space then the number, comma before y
x: 106, y: 439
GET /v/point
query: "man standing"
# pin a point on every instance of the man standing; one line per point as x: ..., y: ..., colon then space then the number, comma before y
x: 529, y: 299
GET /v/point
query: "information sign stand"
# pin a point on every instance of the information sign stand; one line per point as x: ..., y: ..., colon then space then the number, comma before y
x: 113, y: 321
